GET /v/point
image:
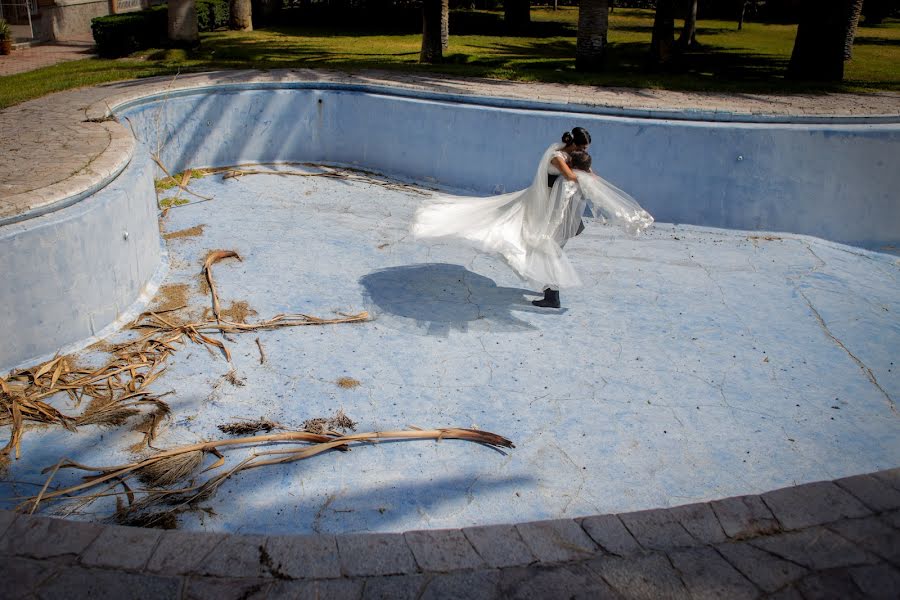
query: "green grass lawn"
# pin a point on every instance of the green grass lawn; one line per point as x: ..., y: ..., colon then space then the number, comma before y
x: 752, y: 60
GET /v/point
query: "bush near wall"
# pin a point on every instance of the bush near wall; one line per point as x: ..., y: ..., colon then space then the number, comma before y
x: 120, y: 35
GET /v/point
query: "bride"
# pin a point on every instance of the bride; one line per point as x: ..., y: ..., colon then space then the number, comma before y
x: 529, y: 228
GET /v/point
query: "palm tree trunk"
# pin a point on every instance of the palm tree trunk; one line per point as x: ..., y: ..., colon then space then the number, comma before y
x: 445, y: 25
x: 182, y: 23
x: 516, y: 14
x: 853, y: 13
x: 431, y: 32
x: 663, y: 41
x: 743, y: 10
x: 689, y: 31
x: 593, y: 27
x: 824, y: 38
x: 240, y: 15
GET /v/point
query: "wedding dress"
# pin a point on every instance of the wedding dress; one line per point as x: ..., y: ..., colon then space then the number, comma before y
x: 529, y: 228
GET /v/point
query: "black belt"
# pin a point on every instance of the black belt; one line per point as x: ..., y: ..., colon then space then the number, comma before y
x: 551, y: 179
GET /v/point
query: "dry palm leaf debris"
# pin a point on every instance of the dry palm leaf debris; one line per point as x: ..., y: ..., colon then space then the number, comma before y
x: 117, y: 391
x: 339, y: 423
x: 174, y: 477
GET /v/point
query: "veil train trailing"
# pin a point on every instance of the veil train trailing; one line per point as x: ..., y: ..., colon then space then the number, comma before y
x: 530, y: 227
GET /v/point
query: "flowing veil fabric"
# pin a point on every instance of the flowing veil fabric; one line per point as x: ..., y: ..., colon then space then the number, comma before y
x: 530, y: 227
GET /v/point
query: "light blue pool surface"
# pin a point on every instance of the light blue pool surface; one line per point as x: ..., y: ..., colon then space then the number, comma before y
x: 742, y: 350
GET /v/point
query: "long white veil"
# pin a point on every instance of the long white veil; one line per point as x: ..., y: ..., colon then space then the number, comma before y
x: 530, y: 227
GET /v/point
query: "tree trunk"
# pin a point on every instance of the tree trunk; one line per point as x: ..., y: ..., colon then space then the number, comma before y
x: 853, y: 13
x: 663, y: 42
x: 593, y: 26
x: 182, y: 23
x: 431, y: 32
x: 741, y: 17
x: 824, y: 38
x: 445, y: 25
x: 516, y: 14
x: 689, y: 31
x: 240, y: 15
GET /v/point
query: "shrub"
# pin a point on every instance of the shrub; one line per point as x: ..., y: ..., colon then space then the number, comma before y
x: 120, y: 35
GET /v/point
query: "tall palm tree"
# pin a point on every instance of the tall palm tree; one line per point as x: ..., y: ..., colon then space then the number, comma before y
x: 240, y: 15
x: 516, y: 14
x: 689, y: 31
x: 432, y: 48
x: 663, y: 41
x: 445, y: 25
x: 593, y: 26
x: 824, y: 39
x: 182, y: 23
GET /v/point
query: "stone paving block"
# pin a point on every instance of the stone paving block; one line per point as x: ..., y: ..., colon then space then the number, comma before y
x: 323, y: 589
x: 700, y: 521
x: 573, y: 582
x: 224, y: 588
x: 813, y: 504
x: 77, y: 583
x: 892, y: 518
x: 21, y: 576
x: 499, y: 545
x: 471, y: 585
x: 657, y: 529
x: 121, y: 548
x: 767, y: 571
x: 610, y: 534
x: 707, y: 575
x: 890, y: 477
x: 304, y: 556
x: 744, y: 517
x: 878, y: 582
x: 182, y: 552
x: 6, y: 519
x: 236, y: 556
x: 836, y: 584
x: 787, y: 593
x: 42, y: 537
x: 872, y: 491
x: 443, y: 550
x: 559, y: 540
x: 375, y: 554
x: 815, y: 548
x: 648, y: 576
x: 394, y: 587
x: 872, y: 534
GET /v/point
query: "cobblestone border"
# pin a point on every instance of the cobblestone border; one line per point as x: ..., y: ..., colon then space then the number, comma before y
x: 831, y: 539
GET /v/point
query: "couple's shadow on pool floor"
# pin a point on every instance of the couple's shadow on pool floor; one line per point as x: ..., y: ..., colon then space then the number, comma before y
x: 436, y: 298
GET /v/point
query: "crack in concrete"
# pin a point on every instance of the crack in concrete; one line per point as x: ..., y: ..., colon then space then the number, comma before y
x: 862, y: 366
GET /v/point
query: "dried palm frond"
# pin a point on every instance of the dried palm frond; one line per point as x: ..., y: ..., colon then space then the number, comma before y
x: 170, y: 467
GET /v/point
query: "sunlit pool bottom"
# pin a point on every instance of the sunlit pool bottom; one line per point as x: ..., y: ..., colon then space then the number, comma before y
x: 694, y: 364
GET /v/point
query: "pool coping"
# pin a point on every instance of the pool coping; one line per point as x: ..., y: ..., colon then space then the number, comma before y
x: 803, y: 538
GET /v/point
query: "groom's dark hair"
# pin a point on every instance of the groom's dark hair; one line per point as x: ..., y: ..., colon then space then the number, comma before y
x: 581, y: 160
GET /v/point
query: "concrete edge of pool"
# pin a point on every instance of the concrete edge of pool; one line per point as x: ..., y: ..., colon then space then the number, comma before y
x: 824, y: 539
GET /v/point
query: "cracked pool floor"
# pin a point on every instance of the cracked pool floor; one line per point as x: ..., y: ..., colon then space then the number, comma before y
x: 694, y: 364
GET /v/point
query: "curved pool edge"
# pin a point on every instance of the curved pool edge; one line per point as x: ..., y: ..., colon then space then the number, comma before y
x: 842, y: 532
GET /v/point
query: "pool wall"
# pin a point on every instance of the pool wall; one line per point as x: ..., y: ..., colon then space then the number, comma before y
x: 74, y: 271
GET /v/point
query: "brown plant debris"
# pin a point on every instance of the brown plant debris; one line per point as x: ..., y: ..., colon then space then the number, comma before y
x: 232, y: 378
x: 165, y: 469
x: 248, y: 427
x: 346, y: 173
x: 171, y: 297
x: 118, y: 391
x: 236, y: 313
x: 212, y: 258
x: 150, y: 520
x: 262, y: 353
x: 194, y: 231
x: 339, y: 422
x: 347, y: 382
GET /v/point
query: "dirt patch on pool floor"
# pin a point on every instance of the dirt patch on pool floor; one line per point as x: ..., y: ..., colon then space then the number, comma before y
x: 196, y: 230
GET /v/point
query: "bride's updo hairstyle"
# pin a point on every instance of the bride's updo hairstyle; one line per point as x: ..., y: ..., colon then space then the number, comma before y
x: 578, y: 136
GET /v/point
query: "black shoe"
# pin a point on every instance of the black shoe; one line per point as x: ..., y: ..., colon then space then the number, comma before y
x: 551, y: 299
